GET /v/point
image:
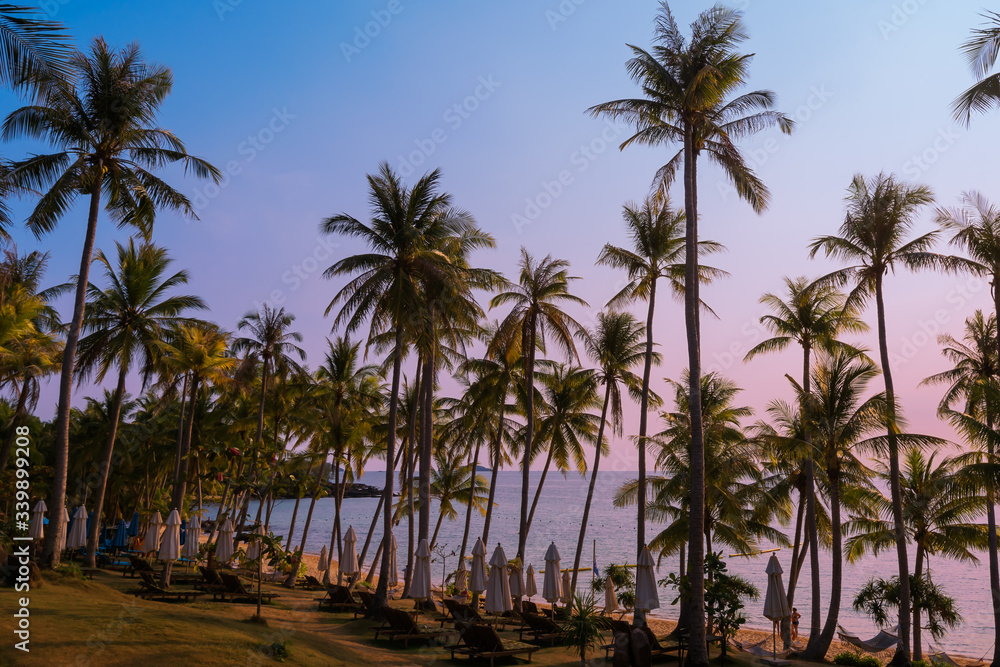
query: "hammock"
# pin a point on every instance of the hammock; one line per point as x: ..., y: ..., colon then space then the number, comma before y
x: 880, y: 642
x: 940, y: 656
x: 756, y: 649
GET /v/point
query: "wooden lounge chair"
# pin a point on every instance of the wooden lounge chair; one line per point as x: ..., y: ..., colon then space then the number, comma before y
x: 150, y: 590
x: 401, y: 626
x: 137, y: 564
x: 482, y: 641
x: 540, y: 628
x: 236, y: 590
x: 339, y: 598
x: 460, y: 613
x: 311, y: 583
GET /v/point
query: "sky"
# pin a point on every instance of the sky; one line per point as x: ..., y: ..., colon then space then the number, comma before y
x: 297, y: 105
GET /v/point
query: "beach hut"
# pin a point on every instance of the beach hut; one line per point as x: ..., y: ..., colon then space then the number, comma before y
x: 498, y: 586
x: 646, y: 596
x: 192, y: 543
x: 77, y: 537
x: 516, y: 581
x: 348, y: 565
x: 420, y: 583
x: 530, y: 589
x: 170, y: 545
x: 775, y: 602
x: 610, y: 600
x: 477, y: 580
x: 224, y: 542
x: 551, y: 585
x: 152, y: 541
x: 393, y: 564
x: 37, y: 529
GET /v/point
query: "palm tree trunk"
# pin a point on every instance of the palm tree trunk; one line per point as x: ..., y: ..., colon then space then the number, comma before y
x: 991, y: 499
x: 918, y: 571
x: 698, y: 655
x: 538, y: 491
x: 608, y: 383
x: 437, y: 528
x: 8, y: 442
x: 90, y: 561
x: 793, y: 572
x: 293, y: 575
x: 529, y: 400
x: 382, y: 591
x: 814, y: 648
x: 180, y: 485
x: 836, y: 566
x: 378, y: 510
x: 222, y: 504
x: 57, y: 494
x: 472, y: 497
x: 411, y: 452
x: 180, y: 428
x: 902, y: 655
x: 495, y: 463
x: 295, y: 510
x: 643, y: 421
x: 426, y: 434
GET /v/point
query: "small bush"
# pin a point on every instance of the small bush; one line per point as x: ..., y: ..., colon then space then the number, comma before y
x: 855, y: 660
x: 921, y: 663
x: 71, y: 570
x: 277, y: 651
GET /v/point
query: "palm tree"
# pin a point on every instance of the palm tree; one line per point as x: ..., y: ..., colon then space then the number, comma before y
x: 812, y: 315
x: 542, y: 288
x: 658, y: 247
x: 981, y: 52
x: 616, y: 346
x: 104, y: 129
x: 404, y: 238
x: 34, y: 51
x: 689, y: 88
x: 880, y: 214
x: 451, y: 483
x: 940, y: 513
x: 124, y: 323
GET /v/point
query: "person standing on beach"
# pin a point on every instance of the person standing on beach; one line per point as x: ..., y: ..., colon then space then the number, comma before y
x: 795, y: 623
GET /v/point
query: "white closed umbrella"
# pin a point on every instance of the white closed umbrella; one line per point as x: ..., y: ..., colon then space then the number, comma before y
x: 78, y: 533
x: 152, y: 539
x: 461, y: 578
x: 192, y: 540
x: 477, y: 580
x: 551, y: 585
x: 420, y: 583
x: 224, y: 542
x: 64, y: 519
x: 253, y: 547
x: 324, y: 560
x: 498, y: 586
x: 530, y: 589
x: 567, y: 585
x: 516, y: 582
x: 610, y: 600
x: 393, y: 564
x: 170, y: 545
x: 349, y: 559
x: 37, y: 530
x: 775, y: 602
x: 646, y: 596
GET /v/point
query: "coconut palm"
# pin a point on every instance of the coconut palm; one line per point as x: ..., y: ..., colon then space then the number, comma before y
x: 658, y: 245
x: 124, y: 323
x: 34, y: 51
x: 981, y: 51
x: 690, y: 99
x: 536, y: 314
x: 881, y: 212
x: 616, y: 346
x: 404, y: 238
x: 811, y: 315
x: 103, y: 127
x: 452, y: 484
x: 941, y: 517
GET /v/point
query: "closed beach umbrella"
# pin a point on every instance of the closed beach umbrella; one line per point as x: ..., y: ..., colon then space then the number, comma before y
x: 646, y: 597
x: 349, y: 561
x: 62, y: 539
x: 37, y: 529
x: 152, y: 541
x: 192, y: 543
x: 170, y: 545
x: 775, y: 602
x: 78, y: 531
x: 567, y: 594
x: 516, y: 582
x: 461, y: 577
x: 253, y: 548
x: 530, y: 589
x: 393, y: 565
x: 498, y: 586
x: 551, y: 585
x: 420, y: 584
x: 133, y: 525
x: 120, y: 540
x: 224, y: 542
x: 610, y: 601
x: 184, y: 524
x: 477, y: 580
x: 324, y: 560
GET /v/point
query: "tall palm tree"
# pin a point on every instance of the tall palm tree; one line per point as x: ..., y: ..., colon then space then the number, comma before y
x: 616, y: 346
x: 881, y: 212
x: 34, y: 51
x: 658, y: 244
x: 103, y: 125
x: 124, y: 323
x: 812, y: 315
x: 535, y: 315
x: 690, y: 99
x: 404, y: 237
x: 981, y: 51
x: 941, y: 515
x: 451, y: 483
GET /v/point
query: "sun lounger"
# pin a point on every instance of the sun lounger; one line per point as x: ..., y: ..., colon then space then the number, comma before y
x: 540, y: 628
x: 883, y: 641
x: 150, y: 590
x: 482, y: 641
x: 311, y: 583
x: 235, y: 590
x: 137, y: 564
x: 339, y: 598
x: 460, y: 613
x: 401, y: 626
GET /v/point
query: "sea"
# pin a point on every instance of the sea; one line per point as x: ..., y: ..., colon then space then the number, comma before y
x: 558, y: 517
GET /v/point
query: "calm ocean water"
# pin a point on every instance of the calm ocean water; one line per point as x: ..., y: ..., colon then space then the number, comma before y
x: 558, y: 518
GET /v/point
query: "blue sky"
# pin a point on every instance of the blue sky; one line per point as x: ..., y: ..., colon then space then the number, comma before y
x: 298, y: 104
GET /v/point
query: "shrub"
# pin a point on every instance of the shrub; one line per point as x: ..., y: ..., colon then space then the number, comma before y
x: 277, y: 651
x: 852, y: 659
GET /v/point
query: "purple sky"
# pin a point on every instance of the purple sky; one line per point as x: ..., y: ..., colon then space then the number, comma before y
x: 297, y: 105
